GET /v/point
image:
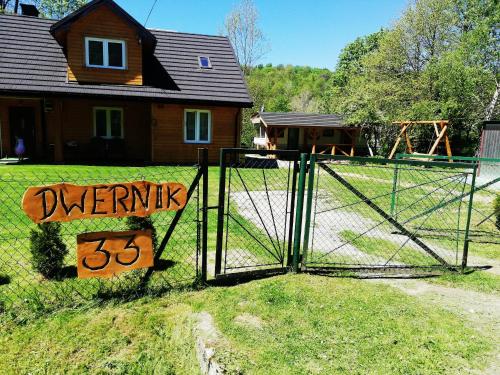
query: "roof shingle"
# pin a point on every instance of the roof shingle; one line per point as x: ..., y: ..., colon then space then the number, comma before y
x: 32, y: 62
x: 300, y: 119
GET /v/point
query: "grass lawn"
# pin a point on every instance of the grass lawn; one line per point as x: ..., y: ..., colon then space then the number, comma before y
x: 21, y: 281
x: 300, y: 324
x: 485, y: 250
x: 386, y: 249
x: 479, y: 281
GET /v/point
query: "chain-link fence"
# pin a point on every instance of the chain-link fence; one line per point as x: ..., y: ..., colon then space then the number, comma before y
x: 485, y: 227
x: 178, y: 248
x: 376, y: 213
x: 256, y: 206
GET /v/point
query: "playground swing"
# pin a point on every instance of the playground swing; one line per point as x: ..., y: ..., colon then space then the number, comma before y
x: 440, y: 131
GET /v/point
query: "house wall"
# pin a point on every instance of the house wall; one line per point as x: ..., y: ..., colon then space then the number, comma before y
x: 168, y: 133
x: 72, y: 120
x: 152, y: 132
x: 103, y: 23
x: 5, y: 104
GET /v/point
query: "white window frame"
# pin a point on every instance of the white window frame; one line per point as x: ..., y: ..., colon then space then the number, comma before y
x: 105, y: 58
x: 209, y: 62
x: 108, y: 122
x: 197, y: 126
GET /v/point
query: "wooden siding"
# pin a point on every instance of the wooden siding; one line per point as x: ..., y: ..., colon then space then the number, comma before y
x: 5, y: 104
x: 103, y: 23
x: 72, y: 120
x: 168, y: 133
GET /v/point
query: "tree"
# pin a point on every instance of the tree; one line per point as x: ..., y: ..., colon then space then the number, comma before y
x: 55, y: 9
x: 242, y: 29
x: 351, y: 56
x: 5, y: 5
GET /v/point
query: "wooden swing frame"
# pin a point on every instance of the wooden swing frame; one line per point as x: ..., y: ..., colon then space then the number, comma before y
x: 440, y: 130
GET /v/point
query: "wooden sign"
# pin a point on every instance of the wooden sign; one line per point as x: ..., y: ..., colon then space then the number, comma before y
x: 66, y: 202
x: 105, y: 254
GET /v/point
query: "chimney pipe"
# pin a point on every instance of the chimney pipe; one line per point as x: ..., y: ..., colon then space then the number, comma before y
x: 29, y: 10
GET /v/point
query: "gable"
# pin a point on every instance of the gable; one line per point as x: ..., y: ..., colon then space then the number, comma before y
x: 103, y: 23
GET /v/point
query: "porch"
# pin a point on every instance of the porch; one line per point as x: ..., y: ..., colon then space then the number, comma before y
x: 307, y: 132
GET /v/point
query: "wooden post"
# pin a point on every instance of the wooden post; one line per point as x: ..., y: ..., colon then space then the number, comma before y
x: 447, y: 142
x: 353, y: 141
x: 398, y: 139
x: 275, y: 138
x: 58, y: 133
x: 408, y: 142
x: 436, y: 129
x: 333, y: 150
x: 315, y: 136
x: 438, y: 139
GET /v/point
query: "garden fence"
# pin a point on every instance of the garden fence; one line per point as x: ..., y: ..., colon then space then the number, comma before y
x: 277, y: 211
x: 180, y: 235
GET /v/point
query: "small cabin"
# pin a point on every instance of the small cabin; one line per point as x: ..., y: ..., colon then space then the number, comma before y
x: 307, y: 132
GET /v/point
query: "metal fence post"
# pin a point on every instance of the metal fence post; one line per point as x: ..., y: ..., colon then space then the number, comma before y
x: 469, y: 215
x: 220, y: 212
x: 204, y: 230
x: 309, y: 202
x: 289, y: 255
x: 395, y: 182
x: 298, y: 214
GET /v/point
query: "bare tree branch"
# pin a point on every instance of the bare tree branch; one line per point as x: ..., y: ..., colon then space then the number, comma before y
x: 241, y: 27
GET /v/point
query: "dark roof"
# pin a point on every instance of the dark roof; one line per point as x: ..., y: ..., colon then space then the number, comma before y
x: 66, y: 22
x: 299, y: 119
x: 33, y: 63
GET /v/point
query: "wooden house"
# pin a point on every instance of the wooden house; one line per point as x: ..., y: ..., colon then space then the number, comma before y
x: 98, y: 85
x: 307, y: 132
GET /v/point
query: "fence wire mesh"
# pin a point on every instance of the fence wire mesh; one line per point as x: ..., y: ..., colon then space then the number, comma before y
x: 369, y: 213
x: 257, y: 208
x: 19, y: 282
x: 484, y: 228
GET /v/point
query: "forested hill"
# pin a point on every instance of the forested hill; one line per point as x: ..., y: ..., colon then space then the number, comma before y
x: 284, y: 88
x: 289, y: 88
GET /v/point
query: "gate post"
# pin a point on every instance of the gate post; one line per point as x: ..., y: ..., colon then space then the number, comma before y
x: 298, y: 215
x: 220, y: 212
x: 204, y: 230
x: 469, y: 214
x: 309, y: 202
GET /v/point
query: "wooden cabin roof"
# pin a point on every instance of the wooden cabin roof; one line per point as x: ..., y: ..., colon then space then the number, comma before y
x: 299, y: 119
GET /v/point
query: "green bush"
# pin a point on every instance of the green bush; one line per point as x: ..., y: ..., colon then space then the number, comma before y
x: 47, y: 249
x: 143, y: 223
x: 496, y: 207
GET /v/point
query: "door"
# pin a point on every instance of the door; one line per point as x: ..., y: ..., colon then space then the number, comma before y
x: 293, y: 139
x: 22, y: 126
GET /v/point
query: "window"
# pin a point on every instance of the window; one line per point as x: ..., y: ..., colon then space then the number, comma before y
x: 204, y: 62
x: 108, y: 122
x: 105, y: 53
x: 197, y: 126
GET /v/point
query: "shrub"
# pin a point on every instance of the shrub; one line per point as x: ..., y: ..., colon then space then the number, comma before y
x: 47, y: 249
x: 143, y: 223
x: 496, y: 207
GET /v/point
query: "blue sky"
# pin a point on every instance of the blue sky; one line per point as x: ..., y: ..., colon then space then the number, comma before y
x: 299, y: 32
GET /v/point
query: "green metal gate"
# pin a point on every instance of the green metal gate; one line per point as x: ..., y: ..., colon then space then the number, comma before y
x: 379, y: 214
x: 255, y: 211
